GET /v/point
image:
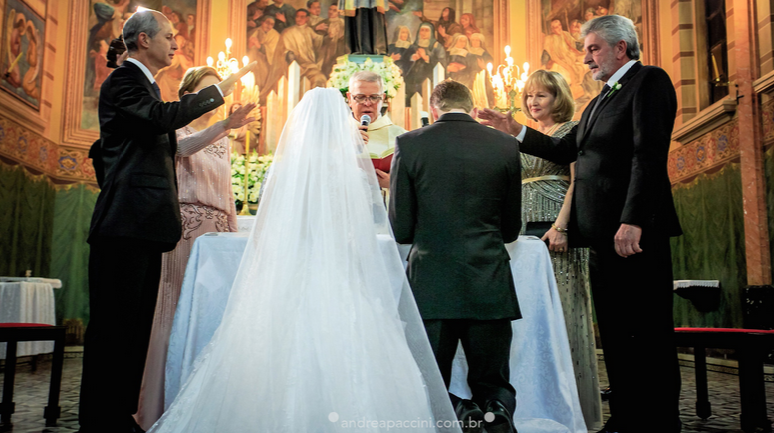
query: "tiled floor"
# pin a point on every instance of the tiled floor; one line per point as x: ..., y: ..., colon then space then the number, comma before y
x: 32, y: 392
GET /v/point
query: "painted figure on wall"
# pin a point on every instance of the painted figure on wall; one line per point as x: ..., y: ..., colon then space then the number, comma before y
x: 306, y: 48
x: 446, y: 26
x: 562, y: 49
x: 420, y: 36
x: 22, y: 62
x: 106, y: 22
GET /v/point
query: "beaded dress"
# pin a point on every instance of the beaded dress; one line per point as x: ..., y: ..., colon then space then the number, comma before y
x: 544, y: 186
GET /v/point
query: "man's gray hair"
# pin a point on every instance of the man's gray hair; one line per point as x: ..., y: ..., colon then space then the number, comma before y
x: 614, y: 28
x: 141, y: 22
x: 368, y: 77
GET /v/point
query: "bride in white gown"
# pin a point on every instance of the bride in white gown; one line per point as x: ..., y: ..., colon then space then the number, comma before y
x: 321, y: 332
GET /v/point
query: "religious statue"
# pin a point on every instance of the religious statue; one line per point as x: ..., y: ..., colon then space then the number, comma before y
x: 364, y: 26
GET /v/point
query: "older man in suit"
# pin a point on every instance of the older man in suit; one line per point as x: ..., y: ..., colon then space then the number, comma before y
x: 136, y: 218
x: 623, y: 209
x: 456, y: 196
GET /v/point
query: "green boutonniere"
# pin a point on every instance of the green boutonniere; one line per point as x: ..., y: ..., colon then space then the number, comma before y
x: 615, y: 88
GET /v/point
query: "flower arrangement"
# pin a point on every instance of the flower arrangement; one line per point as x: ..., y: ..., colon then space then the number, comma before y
x: 259, y: 165
x: 388, y: 70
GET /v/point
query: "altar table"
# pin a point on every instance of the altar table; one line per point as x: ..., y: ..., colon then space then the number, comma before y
x: 541, y: 366
x: 28, y: 300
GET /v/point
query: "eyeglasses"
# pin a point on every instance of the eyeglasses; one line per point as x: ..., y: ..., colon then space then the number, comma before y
x: 361, y: 99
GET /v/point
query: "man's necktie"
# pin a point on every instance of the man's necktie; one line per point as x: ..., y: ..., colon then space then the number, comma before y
x: 602, y: 95
x: 157, y: 89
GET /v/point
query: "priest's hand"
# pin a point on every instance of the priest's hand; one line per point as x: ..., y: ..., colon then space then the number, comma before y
x: 501, y: 121
x: 383, y: 178
x: 227, y: 85
x: 364, y: 132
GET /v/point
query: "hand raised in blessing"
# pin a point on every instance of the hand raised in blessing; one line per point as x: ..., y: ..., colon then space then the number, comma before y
x: 501, y: 121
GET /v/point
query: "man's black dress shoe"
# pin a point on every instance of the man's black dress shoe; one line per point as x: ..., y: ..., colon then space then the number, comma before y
x: 498, y: 419
x: 471, y: 415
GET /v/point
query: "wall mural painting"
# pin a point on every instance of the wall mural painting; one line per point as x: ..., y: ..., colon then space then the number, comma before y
x: 106, y: 21
x: 21, y: 62
x: 562, y: 48
x: 420, y: 34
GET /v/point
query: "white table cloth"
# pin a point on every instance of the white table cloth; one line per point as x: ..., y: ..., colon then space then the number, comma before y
x: 541, y: 366
x: 28, y: 300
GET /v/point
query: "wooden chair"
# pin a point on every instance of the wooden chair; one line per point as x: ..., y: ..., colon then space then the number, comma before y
x: 12, y: 333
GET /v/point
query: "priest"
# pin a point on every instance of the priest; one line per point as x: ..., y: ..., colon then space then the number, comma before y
x: 366, y: 96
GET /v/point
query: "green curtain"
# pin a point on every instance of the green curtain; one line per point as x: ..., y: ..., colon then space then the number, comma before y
x: 712, y: 246
x: 70, y: 256
x: 26, y: 220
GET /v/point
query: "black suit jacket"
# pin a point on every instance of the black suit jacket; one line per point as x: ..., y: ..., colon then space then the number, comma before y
x: 137, y: 147
x: 621, y: 160
x: 456, y: 196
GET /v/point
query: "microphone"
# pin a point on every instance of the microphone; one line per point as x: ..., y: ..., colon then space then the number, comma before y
x: 365, y: 120
x: 425, y: 118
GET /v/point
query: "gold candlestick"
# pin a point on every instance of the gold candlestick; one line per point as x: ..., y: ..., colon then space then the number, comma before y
x: 245, y: 204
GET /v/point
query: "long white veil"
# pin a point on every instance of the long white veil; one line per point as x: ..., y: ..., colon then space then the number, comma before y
x: 321, y: 332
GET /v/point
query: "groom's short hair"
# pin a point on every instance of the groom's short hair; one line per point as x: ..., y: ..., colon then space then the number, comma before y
x: 450, y: 95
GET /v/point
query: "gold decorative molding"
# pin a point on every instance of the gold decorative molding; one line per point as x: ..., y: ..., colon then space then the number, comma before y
x: 713, y: 149
x: 650, y: 33
x: 710, y: 118
x: 61, y: 164
x: 72, y: 111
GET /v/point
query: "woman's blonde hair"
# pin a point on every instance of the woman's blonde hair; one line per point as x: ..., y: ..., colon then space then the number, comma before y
x: 564, y: 106
x: 192, y: 78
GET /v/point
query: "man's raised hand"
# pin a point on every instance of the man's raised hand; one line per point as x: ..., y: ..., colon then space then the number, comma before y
x: 501, y: 121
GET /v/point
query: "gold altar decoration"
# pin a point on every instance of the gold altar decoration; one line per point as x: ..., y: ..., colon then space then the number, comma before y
x: 508, y: 83
x: 246, y: 91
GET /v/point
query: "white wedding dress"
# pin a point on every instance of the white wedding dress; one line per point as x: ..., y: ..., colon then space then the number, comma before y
x: 321, y: 332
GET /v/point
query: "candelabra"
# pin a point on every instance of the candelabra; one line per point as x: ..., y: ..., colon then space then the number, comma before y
x: 508, y: 83
x: 246, y: 90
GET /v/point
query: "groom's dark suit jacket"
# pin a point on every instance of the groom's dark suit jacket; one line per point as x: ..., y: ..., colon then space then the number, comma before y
x: 137, y: 155
x: 456, y: 196
x: 621, y: 159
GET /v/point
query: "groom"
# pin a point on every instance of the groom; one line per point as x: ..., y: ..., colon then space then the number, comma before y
x: 622, y: 208
x: 456, y: 196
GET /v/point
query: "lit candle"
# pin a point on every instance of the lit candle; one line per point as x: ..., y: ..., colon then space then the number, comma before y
x: 489, y: 68
x: 507, y: 51
x: 228, y: 43
x: 209, y: 61
x: 221, y: 56
x: 526, y: 67
x: 245, y: 60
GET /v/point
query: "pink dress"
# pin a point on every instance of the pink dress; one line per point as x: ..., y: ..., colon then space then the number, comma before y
x: 206, y: 205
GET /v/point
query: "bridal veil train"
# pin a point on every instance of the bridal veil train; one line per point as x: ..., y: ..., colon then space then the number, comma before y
x: 321, y: 332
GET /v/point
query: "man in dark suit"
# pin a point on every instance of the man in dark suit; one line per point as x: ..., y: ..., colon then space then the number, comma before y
x: 622, y: 208
x: 456, y: 196
x: 136, y: 218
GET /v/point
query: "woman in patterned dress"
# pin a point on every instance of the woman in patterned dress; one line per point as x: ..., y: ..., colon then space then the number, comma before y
x: 203, y: 165
x: 546, y: 196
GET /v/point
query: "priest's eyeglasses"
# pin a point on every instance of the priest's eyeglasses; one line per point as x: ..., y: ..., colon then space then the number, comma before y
x: 361, y: 99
